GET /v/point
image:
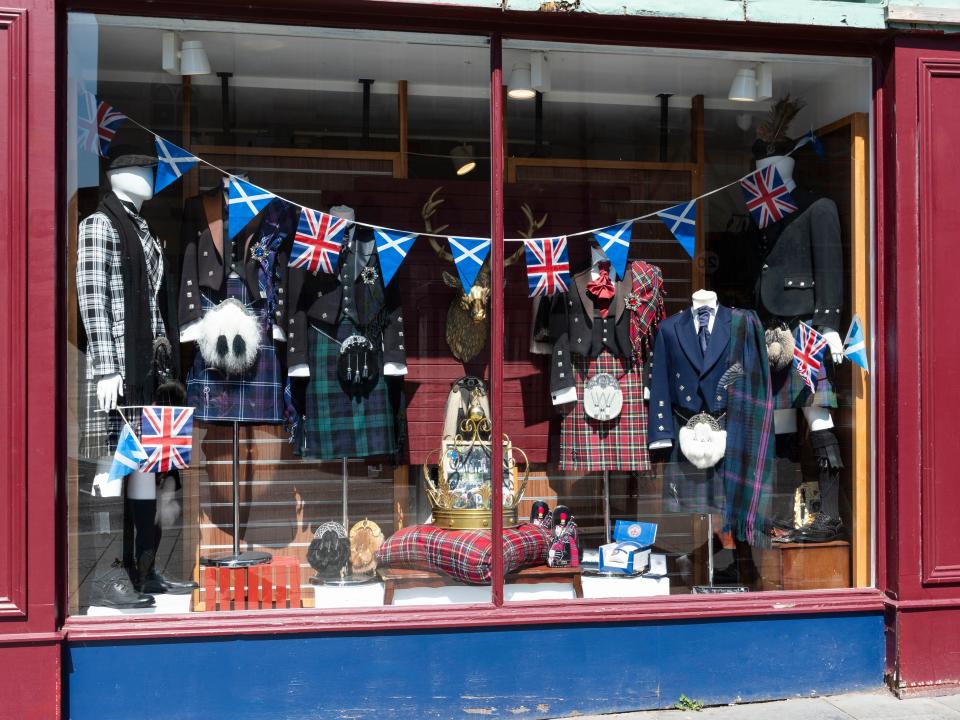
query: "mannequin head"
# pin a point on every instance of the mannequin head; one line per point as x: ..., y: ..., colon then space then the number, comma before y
x: 133, y: 184
x: 785, y: 165
x: 343, y: 211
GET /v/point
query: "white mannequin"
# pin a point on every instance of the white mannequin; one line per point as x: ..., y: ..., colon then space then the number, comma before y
x: 818, y: 418
x: 389, y: 368
x: 133, y: 185
x: 701, y: 298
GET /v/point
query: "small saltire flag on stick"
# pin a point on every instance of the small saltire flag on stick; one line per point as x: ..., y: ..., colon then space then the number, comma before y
x: 808, y: 354
x: 681, y: 220
x: 316, y: 246
x: 615, y: 243
x: 468, y: 254
x: 766, y: 196
x: 811, y: 137
x: 392, y: 247
x: 548, y: 268
x: 97, y: 123
x: 244, y: 203
x: 166, y: 434
x: 129, y: 455
x: 855, y: 344
x: 172, y: 163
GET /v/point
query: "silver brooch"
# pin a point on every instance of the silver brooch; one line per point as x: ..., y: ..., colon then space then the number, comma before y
x: 369, y: 275
x: 633, y: 302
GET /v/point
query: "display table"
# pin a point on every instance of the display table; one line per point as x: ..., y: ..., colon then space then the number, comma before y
x: 401, y: 579
x: 598, y: 586
x: 165, y: 604
x: 804, y: 566
x: 348, y: 596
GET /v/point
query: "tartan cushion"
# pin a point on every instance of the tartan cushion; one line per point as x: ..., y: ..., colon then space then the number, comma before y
x: 465, y: 555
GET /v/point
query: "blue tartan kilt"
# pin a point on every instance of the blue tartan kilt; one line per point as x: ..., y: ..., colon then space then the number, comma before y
x: 339, y: 424
x: 255, y: 396
x: 790, y: 391
x: 687, y: 488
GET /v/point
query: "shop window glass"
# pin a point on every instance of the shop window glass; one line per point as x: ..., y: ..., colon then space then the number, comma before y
x: 319, y: 385
x: 672, y: 460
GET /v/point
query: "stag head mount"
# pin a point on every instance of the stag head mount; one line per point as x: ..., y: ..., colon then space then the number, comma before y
x: 467, y: 318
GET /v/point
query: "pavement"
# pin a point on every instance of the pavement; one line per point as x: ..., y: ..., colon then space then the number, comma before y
x: 880, y: 705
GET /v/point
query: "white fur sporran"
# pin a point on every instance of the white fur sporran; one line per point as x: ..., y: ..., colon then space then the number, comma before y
x: 602, y: 397
x: 702, y: 441
x: 229, y: 338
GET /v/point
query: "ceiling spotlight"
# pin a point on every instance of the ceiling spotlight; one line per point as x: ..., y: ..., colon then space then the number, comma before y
x: 752, y: 84
x: 188, y: 58
x: 520, y: 87
x: 463, y: 159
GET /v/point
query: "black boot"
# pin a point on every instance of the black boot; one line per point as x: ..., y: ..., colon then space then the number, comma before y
x: 827, y: 525
x: 148, y: 579
x: 114, y: 589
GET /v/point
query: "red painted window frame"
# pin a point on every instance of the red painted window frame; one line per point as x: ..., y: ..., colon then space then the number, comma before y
x: 496, y: 24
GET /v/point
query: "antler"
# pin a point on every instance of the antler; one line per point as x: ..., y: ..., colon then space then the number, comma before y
x: 532, y: 226
x: 427, y: 212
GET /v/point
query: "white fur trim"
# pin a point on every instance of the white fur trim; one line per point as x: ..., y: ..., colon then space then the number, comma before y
x: 168, y: 507
x: 230, y: 319
x: 702, y: 446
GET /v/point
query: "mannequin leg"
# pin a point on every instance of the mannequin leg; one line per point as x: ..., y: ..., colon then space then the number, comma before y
x: 784, y: 421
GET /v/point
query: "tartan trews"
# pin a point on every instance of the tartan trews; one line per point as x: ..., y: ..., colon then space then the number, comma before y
x: 339, y: 424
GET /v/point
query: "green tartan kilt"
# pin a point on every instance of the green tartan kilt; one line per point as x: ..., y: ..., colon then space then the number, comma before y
x: 339, y: 424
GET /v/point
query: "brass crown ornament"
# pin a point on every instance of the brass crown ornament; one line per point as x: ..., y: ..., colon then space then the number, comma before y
x: 462, y: 494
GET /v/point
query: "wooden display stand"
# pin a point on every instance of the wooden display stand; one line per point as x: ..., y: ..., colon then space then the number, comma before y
x: 804, y: 566
x: 402, y: 579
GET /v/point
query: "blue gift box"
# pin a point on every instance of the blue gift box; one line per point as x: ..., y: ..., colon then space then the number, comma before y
x: 642, y: 533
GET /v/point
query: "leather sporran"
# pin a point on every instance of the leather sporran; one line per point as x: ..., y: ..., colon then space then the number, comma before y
x: 602, y: 397
x: 358, y: 367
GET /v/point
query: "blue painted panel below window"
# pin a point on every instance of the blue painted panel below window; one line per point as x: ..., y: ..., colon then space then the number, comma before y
x: 528, y: 672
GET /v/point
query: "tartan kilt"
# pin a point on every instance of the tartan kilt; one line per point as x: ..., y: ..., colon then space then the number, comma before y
x: 339, y: 424
x: 257, y: 395
x: 687, y: 488
x: 99, y: 432
x: 789, y: 390
x: 589, y: 445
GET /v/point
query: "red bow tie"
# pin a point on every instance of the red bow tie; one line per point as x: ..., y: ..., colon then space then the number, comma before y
x: 602, y: 288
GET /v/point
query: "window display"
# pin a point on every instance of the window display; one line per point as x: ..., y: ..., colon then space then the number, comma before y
x: 285, y: 275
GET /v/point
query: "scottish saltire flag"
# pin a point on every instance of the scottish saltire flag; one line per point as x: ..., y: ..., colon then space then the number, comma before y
x: 681, y: 220
x: 811, y: 137
x: 97, y: 123
x: 316, y: 246
x: 129, y: 455
x: 468, y: 254
x: 808, y: 354
x: 392, y: 246
x: 244, y: 203
x: 172, y: 163
x: 615, y: 243
x: 855, y: 344
x: 166, y: 434
x: 767, y: 197
x: 548, y: 267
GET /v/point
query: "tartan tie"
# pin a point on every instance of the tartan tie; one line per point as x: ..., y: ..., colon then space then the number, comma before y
x: 703, y: 325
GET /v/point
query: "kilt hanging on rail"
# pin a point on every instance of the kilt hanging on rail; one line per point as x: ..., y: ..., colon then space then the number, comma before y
x: 255, y: 396
x: 590, y: 445
x: 341, y: 423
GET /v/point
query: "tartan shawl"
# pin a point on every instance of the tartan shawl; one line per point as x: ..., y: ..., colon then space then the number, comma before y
x: 748, y: 463
x: 646, y: 305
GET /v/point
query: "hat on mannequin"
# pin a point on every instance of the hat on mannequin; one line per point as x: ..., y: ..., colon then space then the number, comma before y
x: 772, y: 138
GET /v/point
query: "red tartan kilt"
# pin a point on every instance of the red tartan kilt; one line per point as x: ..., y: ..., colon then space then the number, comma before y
x: 589, y: 445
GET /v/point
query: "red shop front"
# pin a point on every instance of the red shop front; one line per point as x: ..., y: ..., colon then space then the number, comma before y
x: 411, y: 121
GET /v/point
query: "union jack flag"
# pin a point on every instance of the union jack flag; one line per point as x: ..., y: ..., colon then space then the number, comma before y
x: 316, y: 246
x: 166, y: 434
x: 767, y: 197
x: 97, y: 123
x: 548, y: 268
x: 808, y: 354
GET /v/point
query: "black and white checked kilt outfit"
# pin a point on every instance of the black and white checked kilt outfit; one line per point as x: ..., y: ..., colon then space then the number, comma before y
x: 101, y: 305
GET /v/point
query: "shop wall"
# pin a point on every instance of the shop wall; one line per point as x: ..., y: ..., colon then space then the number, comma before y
x: 921, y: 563
x: 29, y: 643
x: 531, y: 672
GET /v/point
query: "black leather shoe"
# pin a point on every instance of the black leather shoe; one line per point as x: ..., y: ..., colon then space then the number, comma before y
x: 822, y: 528
x: 157, y: 584
x: 114, y: 589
